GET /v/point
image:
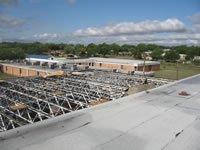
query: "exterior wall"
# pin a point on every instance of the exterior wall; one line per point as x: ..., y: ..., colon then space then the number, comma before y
x: 4, y: 69
x: 127, y: 67
x: 155, y: 67
x: 149, y: 68
x: 9, y: 71
x: 24, y: 73
x: 32, y: 73
x: 113, y: 66
x: 97, y: 64
x: 85, y: 64
x: 130, y: 68
x: 15, y: 71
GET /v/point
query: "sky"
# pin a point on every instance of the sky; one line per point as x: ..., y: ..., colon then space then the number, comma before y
x: 162, y: 22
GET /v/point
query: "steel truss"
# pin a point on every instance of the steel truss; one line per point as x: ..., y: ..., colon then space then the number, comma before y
x: 29, y: 100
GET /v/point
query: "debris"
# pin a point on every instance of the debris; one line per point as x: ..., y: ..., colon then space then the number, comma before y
x: 59, y: 93
x: 184, y: 93
x: 57, y: 73
x: 98, y: 102
x: 18, y: 107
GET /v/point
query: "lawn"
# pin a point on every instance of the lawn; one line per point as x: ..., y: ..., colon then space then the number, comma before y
x: 4, y: 75
x: 177, y: 71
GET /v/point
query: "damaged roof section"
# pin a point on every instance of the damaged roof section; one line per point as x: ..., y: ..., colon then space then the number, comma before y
x: 29, y: 100
x: 160, y: 119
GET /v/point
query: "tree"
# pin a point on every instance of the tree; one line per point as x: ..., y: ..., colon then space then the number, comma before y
x: 104, y: 49
x: 91, y: 50
x: 171, y: 56
x: 115, y: 48
x: 69, y: 49
x: 156, y: 54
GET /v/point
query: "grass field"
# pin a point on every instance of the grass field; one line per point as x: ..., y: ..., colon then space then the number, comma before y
x: 169, y: 71
x: 4, y: 75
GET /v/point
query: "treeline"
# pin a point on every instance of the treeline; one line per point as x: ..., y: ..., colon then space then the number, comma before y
x: 15, y: 50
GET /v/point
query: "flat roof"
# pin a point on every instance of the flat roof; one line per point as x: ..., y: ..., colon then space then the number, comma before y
x: 125, y: 61
x: 158, y: 119
x: 102, y: 60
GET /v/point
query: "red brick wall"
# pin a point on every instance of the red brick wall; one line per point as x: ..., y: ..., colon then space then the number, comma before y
x: 9, y: 70
x: 96, y: 64
x: 24, y: 73
x: 149, y: 67
x: 85, y: 64
x: 32, y: 73
x: 130, y: 68
x: 4, y: 68
x: 15, y: 71
x: 113, y: 66
x: 155, y: 67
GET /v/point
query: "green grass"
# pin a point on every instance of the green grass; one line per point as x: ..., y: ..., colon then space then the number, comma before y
x: 169, y: 71
x: 5, y: 75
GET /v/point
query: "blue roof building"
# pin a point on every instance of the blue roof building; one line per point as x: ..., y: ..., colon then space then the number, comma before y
x: 40, y: 57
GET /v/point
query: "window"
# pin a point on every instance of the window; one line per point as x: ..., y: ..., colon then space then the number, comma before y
x: 122, y: 66
x: 100, y: 64
x: 38, y: 73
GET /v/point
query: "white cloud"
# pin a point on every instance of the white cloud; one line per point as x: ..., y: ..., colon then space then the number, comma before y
x: 170, y: 39
x: 45, y: 36
x: 9, y: 2
x: 10, y: 22
x: 131, y: 28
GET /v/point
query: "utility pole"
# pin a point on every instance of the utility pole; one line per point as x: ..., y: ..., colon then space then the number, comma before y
x: 144, y: 64
x: 145, y: 81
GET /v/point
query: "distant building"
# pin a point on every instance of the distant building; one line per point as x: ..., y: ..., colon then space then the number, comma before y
x: 147, y: 55
x: 166, y: 50
x: 182, y: 57
x: 37, y: 65
x: 196, y: 58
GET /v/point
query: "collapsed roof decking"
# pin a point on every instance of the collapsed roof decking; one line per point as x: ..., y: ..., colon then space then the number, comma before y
x: 26, y: 101
x: 159, y: 119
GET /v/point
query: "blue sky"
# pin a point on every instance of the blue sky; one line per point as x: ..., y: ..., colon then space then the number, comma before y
x: 164, y: 22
